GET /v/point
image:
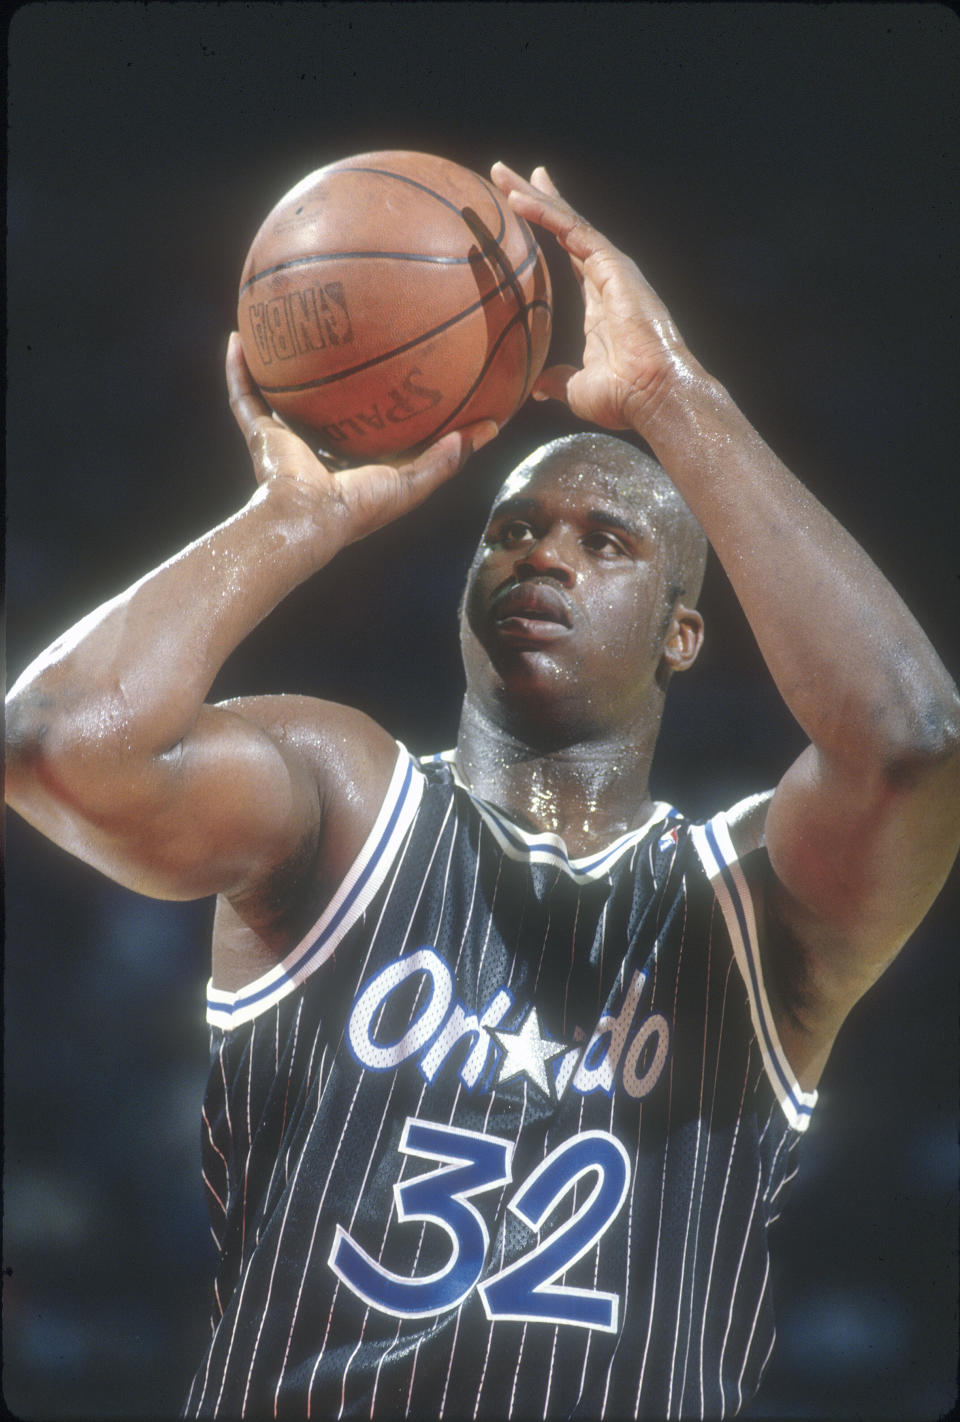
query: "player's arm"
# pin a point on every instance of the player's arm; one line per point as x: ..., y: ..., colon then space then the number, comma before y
x: 112, y: 750
x: 862, y: 830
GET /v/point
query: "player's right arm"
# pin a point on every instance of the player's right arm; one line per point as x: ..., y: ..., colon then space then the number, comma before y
x: 112, y: 750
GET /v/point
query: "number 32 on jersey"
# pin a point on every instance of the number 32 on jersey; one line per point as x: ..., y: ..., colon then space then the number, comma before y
x: 526, y: 1289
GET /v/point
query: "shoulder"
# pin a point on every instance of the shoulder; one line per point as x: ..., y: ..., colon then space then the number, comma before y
x: 731, y: 844
x: 333, y: 740
x: 346, y: 754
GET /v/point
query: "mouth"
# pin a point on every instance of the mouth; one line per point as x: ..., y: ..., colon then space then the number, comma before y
x: 531, y: 611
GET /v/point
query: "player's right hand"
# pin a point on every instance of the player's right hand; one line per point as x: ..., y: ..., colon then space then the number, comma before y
x: 633, y: 351
x: 366, y: 497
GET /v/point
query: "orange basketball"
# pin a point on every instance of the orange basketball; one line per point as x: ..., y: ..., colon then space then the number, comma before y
x: 389, y: 298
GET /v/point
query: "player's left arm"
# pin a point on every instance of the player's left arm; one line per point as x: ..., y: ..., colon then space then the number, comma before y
x: 863, y: 828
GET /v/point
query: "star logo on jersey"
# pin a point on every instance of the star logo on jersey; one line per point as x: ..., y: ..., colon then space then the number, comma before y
x: 526, y: 1053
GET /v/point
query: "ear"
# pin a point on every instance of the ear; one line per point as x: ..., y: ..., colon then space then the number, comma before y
x: 684, y: 639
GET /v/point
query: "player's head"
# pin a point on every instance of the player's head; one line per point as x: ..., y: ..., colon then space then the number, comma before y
x: 580, y: 599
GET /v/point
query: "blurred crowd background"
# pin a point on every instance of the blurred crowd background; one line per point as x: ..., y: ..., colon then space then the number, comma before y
x: 786, y: 176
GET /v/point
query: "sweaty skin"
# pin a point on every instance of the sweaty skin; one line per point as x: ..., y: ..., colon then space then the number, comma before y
x: 572, y: 627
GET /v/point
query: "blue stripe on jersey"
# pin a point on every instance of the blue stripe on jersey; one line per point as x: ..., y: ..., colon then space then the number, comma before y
x: 225, y: 1009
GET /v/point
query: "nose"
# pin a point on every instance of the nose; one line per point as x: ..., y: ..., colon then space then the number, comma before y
x: 550, y: 556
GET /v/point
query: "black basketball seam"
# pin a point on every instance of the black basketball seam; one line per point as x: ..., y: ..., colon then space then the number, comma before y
x: 495, y: 254
x: 401, y: 349
x: 415, y: 183
x: 521, y: 315
x: 339, y: 256
x: 395, y: 256
x: 528, y: 237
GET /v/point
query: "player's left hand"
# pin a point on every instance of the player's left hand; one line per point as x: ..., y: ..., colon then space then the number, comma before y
x: 633, y: 351
x: 358, y: 498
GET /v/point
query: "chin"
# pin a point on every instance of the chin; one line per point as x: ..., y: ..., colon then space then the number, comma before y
x: 541, y: 716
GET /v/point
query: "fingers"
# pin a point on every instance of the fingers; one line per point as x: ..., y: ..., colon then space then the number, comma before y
x: 552, y: 383
x: 539, y: 201
x: 541, y: 179
x: 246, y: 402
x: 376, y: 494
x: 270, y: 442
x: 379, y: 490
x: 446, y: 457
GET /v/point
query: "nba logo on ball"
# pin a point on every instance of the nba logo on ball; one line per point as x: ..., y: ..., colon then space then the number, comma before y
x: 389, y: 298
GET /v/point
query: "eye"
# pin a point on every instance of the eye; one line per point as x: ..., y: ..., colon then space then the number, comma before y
x: 605, y: 545
x: 513, y: 533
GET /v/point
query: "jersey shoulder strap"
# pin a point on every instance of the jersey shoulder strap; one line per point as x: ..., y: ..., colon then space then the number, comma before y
x: 721, y: 863
x: 356, y: 891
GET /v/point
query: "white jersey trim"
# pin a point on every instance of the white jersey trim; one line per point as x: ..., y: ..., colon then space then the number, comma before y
x: 363, y: 879
x: 545, y: 848
x: 720, y: 860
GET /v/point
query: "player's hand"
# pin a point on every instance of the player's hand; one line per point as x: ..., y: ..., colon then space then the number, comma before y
x: 633, y: 350
x: 366, y: 497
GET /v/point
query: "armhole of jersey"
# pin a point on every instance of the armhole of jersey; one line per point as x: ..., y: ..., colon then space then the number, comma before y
x: 363, y: 879
x: 719, y: 858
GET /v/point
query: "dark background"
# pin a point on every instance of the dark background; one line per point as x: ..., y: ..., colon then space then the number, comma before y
x: 786, y: 175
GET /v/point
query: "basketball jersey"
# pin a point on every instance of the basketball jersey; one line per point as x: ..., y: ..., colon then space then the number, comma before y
x: 503, y: 1135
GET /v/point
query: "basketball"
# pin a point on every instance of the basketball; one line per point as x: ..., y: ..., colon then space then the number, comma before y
x: 390, y: 297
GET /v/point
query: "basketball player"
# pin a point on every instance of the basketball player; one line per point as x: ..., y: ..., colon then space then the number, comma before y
x: 509, y: 1062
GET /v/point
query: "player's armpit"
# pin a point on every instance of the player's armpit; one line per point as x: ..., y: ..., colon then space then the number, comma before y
x: 856, y: 861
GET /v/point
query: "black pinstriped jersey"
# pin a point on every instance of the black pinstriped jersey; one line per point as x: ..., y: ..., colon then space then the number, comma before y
x: 503, y: 1135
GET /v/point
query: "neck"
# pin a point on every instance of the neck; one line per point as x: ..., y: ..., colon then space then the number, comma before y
x: 588, y: 791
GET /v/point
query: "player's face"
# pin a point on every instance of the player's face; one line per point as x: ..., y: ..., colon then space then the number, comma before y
x: 567, y: 602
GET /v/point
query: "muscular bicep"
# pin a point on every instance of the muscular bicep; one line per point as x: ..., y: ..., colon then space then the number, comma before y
x: 245, y: 796
x: 198, y: 818
x: 856, y: 862
x: 235, y: 804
